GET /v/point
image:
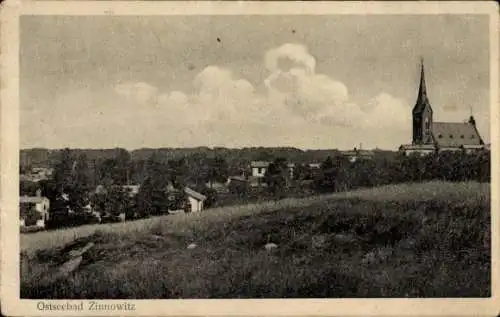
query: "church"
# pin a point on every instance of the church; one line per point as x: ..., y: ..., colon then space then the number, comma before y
x: 430, y: 136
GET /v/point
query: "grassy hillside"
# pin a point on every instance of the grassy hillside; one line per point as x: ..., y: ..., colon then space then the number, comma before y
x: 415, y: 240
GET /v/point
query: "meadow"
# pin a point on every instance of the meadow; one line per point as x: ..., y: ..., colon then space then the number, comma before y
x: 427, y: 239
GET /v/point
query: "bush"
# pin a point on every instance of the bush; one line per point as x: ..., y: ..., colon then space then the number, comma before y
x: 212, y: 197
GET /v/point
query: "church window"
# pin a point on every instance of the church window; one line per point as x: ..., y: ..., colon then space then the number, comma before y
x: 451, y: 136
x: 440, y: 136
x: 472, y: 136
x: 462, y: 136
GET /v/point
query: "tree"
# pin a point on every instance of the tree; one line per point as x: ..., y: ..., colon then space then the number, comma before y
x: 217, y: 171
x: 276, y: 177
x: 303, y: 172
x: 116, y: 170
x: 151, y: 199
x: 63, y: 171
x: 27, y: 188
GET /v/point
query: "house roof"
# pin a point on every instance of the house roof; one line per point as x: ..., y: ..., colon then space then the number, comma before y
x: 452, y: 134
x: 31, y: 199
x: 237, y: 178
x: 259, y: 164
x: 194, y: 194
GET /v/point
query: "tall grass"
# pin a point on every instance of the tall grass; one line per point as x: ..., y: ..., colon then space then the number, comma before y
x: 429, y: 239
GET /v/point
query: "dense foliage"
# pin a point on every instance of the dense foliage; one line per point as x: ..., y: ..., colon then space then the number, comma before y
x: 162, y: 178
x: 338, y: 174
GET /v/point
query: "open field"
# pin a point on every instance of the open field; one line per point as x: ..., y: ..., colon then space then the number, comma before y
x: 414, y: 240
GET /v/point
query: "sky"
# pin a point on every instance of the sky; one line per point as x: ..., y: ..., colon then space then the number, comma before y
x: 311, y: 82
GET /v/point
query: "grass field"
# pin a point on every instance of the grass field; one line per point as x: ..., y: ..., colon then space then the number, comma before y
x: 409, y: 240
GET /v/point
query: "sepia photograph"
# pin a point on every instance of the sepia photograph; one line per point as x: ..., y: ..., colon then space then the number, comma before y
x: 253, y: 156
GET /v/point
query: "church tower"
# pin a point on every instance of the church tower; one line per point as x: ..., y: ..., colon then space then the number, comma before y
x: 422, y: 114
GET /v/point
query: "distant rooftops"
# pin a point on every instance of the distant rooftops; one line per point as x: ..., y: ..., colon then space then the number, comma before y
x: 358, y: 152
x: 266, y: 164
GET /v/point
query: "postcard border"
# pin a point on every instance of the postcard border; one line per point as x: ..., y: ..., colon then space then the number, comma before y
x: 9, y: 191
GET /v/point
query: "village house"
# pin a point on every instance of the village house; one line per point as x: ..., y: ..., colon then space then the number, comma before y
x: 430, y: 136
x: 314, y: 166
x: 34, y: 210
x: 259, y: 169
x: 358, y: 154
x: 196, y: 200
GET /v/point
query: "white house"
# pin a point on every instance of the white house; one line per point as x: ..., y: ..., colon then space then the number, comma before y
x: 259, y: 168
x: 34, y: 210
x: 314, y: 165
x: 195, y: 199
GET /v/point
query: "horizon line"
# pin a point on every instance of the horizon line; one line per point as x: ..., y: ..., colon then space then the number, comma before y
x: 202, y: 146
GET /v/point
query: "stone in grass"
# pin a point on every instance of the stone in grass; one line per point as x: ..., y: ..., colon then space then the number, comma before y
x: 192, y: 246
x: 79, y: 252
x: 269, y: 246
x: 70, y: 265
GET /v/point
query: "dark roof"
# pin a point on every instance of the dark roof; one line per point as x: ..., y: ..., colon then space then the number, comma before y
x: 455, y: 134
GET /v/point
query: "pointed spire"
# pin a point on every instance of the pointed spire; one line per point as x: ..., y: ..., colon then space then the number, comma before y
x: 422, y: 92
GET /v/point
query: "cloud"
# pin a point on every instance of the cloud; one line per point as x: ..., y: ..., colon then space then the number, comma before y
x: 385, y: 110
x: 140, y: 92
x: 321, y: 99
x: 289, y: 56
x: 223, y: 109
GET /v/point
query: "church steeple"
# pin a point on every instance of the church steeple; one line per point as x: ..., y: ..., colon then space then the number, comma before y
x: 422, y: 92
x: 422, y: 112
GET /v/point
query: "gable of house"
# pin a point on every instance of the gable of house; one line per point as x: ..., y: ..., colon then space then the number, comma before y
x: 194, y: 194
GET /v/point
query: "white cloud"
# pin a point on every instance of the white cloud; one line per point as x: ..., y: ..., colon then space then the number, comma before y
x: 320, y: 99
x: 140, y: 92
x: 289, y: 56
x: 384, y: 110
x: 223, y: 109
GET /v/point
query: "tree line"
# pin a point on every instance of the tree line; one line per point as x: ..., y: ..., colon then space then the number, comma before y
x: 76, y: 178
x: 338, y: 174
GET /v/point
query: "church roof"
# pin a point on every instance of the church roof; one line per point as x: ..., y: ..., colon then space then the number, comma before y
x: 455, y: 134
